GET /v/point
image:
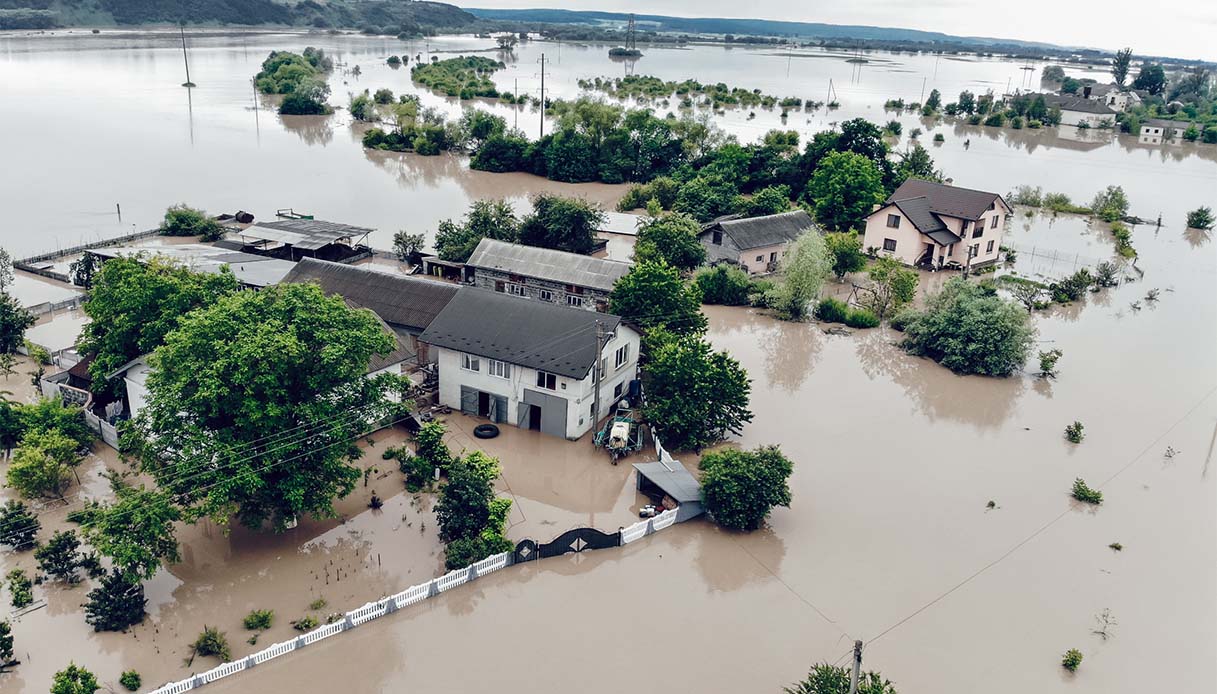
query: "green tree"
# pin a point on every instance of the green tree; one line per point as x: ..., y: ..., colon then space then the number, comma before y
x: 934, y: 101
x: 361, y: 107
x: 740, y: 488
x: 130, y: 680
x: 116, y: 603
x: 494, y: 219
x: 832, y: 679
x: 845, y: 252
x: 1070, y: 86
x: 136, y: 531
x: 1151, y: 78
x: 1110, y: 204
x: 1200, y: 218
x: 843, y: 189
x: 59, y: 558
x: 564, y: 224
x: 308, y: 99
x: 804, y: 268
x: 463, y: 508
x: 1120, y: 64
x: 892, y: 286
x: 477, y: 126
x: 1052, y: 73
x: 500, y: 152
x: 74, y: 680
x: 670, y: 238
x: 429, y: 445
x: 652, y: 295
x: 766, y: 201
x: 6, y: 646
x: 695, y: 396
x: 83, y: 269
x: 705, y: 198
x: 723, y: 284
x: 35, y: 472
x: 383, y: 96
x: 134, y: 304
x: 18, y: 526
x: 50, y: 414
x: 406, y: 245
x: 14, y: 321
x: 916, y: 163
x: 181, y: 220
x: 20, y: 587
x: 254, y: 403
x: 967, y: 328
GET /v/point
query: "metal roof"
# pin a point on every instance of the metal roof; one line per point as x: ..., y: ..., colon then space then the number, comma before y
x: 917, y: 211
x: 675, y: 481
x: 410, y: 302
x: 305, y: 234
x: 770, y: 230
x: 534, y: 334
x: 546, y: 264
x: 249, y: 269
x: 1078, y: 103
x: 620, y: 223
x: 953, y: 201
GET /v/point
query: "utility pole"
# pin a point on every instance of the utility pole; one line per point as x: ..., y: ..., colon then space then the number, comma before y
x: 597, y: 375
x: 853, y: 676
x: 922, y: 99
x: 542, y: 95
x: 182, y: 29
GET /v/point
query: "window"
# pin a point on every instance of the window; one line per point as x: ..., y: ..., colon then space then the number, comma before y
x: 546, y: 295
x: 502, y: 369
x: 718, y: 238
x: 603, y: 365
x: 516, y: 290
x: 500, y: 286
x: 773, y: 257
x: 979, y: 231
x: 993, y: 222
x: 619, y: 389
x: 889, y: 245
x: 893, y: 221
x: 470, y: 363
x: 967, y: 223
x: 572, y: 300
x: 760, y: 259
x: 547, y: 381
x: 993, y: 205
x: 975, y: 250
x: 989, y: 247
x: 622, y: 357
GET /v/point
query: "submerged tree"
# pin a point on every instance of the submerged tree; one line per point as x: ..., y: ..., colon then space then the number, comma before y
x: 892, y: 286
x: 652, y: 295
x: 117, y: 603
x: 695, y: 396
x: 804, y: 268
x: 59, y: 558
x: 15, y: 319
x: 967, y: 328
x: 671, y: 238
x: 832, y: 679
x: 740, y: 488
x: 18, y: 526
x: 74, y: 680
x: 845, y: 251
x: 255, y: 401
x: 181, y: 220
x: 136, y: 531
x: 1120, y: 64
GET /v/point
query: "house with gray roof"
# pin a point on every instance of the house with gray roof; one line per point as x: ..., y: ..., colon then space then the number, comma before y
x: 406, y: 304
x: 251, y: 270
x: 756, y: 244
x: 1156, y: 130
x: 1078, y: 111
x: 936, y: 225
x: 556, y: 277
x: 532, y: 364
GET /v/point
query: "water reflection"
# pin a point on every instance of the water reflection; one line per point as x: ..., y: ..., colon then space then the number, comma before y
x: 1197, y: 237
x: 936, y: 392
x: 313, y: 130
x: 729, y: 561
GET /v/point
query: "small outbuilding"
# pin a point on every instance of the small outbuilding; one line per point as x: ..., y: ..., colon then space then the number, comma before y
x: 671, y: 480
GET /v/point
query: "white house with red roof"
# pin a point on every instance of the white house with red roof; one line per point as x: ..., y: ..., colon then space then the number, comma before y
x: 936, y: 225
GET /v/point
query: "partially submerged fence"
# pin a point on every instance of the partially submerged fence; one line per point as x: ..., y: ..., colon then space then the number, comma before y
x: 385, y: 606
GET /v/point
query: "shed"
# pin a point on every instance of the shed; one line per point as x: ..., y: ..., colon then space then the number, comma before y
x: 675, y: 481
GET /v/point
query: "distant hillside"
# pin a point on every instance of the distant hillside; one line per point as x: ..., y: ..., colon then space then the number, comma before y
x: 761, y: 27
x: 382, y: 16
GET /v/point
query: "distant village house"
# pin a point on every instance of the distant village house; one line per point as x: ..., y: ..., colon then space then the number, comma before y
x: 556, y: 277
x: 756, y: 244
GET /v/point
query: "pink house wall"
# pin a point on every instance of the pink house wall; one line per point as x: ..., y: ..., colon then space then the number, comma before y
x: 911, y: 244
x: 748, y: 258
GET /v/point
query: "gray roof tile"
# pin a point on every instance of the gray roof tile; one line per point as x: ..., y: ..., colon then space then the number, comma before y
x: 770, y: 230
x: 410, y: 302
x: 953, y: 201
x: 547, y: 264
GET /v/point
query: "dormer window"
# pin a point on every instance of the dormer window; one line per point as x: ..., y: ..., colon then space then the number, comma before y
x: 718, y: 238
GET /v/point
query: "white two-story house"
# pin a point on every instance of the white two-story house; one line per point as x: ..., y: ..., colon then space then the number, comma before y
x: 531, y: 364
x: 935, y: 225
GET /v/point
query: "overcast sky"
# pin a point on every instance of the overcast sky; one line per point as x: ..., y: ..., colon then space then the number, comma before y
x: 1184, y: 29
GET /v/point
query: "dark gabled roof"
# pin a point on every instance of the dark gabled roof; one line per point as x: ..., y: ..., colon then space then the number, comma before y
x: 411, y: 302
x: 917, y: 211
x: 770, y: 230
x: 1079, y: 103
x: 944, y: 237
x: 952, y: 201
x: 401, y: 351
x: 547, y: 264
x: 1159, y: 123
x: 81, y: 368
x: 535, y: 334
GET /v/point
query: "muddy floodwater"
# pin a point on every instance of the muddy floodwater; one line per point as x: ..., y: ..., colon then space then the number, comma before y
x: 890, y: 538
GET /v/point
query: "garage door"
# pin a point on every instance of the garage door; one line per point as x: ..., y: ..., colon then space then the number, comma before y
x: 553, y: 411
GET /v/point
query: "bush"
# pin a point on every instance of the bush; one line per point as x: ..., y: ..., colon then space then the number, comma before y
x: 1200, y: 218
x: 18, y: 526
x: 305, y: 623
x: 20, y: 588
x: 116, y: 603
x: 740, y: 488
x: 723, y: 284
x: 383, y: 96
x: 1048, y: 362
x: 1110, y: 204
x: 861, y: 318
x: 181, y: 220
x: 1123, y: 237
x: 1071, y: 288
x: 831, y: 310
x: 1026, y: 195
x: 938, y: 137
x: 1082, y: 492
x: 995, y: 120
x: 1106, y: 274
x: 1072, y: 659
x: 212, y: 642
x: 259, y: 619
x: 969, y: 329
x: 74, y: 680
x: 1074, y: 432
x: 131, y: 680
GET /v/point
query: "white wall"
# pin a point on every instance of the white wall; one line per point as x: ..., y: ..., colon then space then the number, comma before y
x: 577, y: 392
x: 136, y: 380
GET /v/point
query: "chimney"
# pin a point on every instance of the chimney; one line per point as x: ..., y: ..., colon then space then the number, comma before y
x: 1086, y: 92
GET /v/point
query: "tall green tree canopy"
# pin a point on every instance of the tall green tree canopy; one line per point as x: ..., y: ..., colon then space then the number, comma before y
x: 671, y: 238
x: 1151, y: 78
x: 652, y: 295
x: 1120, y: 64
x: 845, y: 253
x: 14, y: 321
x: 254, y: 403
x: 834, y: 679
x: 493, y: 219
x: 843, y: 189
x: 740, y: 488
x: 135, y: 531
x: 74, y: 680
x: 695, y: 396
x: 134, y: 304
x: 804, y: 268
x: 967, y: 328
x: 563, y: 224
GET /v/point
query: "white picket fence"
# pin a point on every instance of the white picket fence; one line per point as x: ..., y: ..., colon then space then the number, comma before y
x: 384, y: 606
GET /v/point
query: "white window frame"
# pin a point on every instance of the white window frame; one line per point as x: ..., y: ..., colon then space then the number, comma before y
x: 893, y: 221
x: 892, y: 249
x: 516, y: 289
x: 471, y: 363
x: 575, y: 301
x: 498, y: 368
x: 621, y: 357
x: 546, y: 295
x: 544, y: 378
